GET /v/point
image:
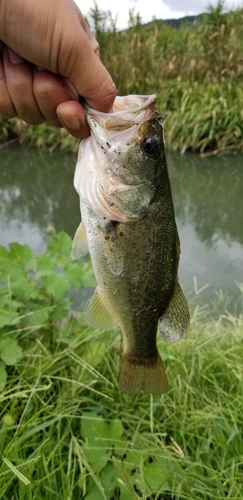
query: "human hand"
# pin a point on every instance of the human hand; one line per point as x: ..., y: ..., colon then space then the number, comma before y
x: 48, y: 58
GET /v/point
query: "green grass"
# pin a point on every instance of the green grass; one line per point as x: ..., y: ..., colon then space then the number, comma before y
x: 67, y: 432
x: 195, y: 70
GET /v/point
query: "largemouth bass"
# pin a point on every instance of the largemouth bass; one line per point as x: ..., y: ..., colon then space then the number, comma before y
x: 128, y: 226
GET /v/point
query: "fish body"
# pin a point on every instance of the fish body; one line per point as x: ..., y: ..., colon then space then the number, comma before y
x: 128, y: 226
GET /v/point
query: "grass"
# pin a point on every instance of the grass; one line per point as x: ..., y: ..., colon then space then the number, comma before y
x: 196, y: 71
x: 67, y: 432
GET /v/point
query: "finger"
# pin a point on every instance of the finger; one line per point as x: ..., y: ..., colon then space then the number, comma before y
x: 7, y: 109
x: 71, y: 115
x: 87, y: 74
x: 60, y: 44
x: 19, y: 79
x: 94, y: 43
x: 81, y: 65
x: 50, y: 90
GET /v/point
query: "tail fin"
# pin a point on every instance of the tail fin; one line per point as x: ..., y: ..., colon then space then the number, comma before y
x: 144, y: 376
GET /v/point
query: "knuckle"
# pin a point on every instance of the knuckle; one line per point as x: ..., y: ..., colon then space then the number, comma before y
x: 96, y: 47
x: 43, y: 88
x: 17, y: 87
x: 107, y: 94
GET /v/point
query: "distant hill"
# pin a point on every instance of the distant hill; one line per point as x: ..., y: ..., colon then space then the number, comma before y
x: 182, y: 20
x: 176, y: 23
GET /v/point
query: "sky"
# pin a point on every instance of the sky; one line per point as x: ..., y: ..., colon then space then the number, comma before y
x: 153, y: 8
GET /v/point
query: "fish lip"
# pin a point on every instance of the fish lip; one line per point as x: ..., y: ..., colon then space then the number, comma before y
x: 102, y: 124
x: 132, y: 107
x: 148, y: 100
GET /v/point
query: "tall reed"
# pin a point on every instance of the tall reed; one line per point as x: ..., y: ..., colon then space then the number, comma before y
x: 195, y: 69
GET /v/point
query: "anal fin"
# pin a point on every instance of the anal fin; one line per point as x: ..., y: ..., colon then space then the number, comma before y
x: 174, y: 323
x: 97, y: 313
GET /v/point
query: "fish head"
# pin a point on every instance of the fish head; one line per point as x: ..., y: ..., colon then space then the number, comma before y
x: 145, y: 156
x: 121, y: 158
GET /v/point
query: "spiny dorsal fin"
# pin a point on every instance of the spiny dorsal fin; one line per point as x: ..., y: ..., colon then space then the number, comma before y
x: 80, y: 244
x: 174, y: 323
x: 97, y: 313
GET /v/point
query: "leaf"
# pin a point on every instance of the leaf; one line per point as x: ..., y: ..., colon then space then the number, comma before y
x: 3, y: 299
x: 5, y: 318
x: 100, y: 439
x: 10, y: 351
x: 94, y: 492
x: 4, y: 254
x: 11, y: 270
x: 156, y: 476
x: 94, y: 352
x: 45, y: 265
x: 109, y: 479
x: 74, y: 272
x: 20, y: 252
x: 60, y: 245
x: 3, y: 376
x: 71, y: 332
x: 37, y: 318
x: 23, y: 288
x: 60, y: 310
x: 57, y: 284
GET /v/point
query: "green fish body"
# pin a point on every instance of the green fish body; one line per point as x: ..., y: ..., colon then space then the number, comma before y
x: 128, y: 226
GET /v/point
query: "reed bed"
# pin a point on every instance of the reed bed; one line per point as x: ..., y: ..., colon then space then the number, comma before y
x: 195, y: 69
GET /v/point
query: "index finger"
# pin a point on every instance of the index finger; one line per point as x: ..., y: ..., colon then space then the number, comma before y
x: 86, y: 72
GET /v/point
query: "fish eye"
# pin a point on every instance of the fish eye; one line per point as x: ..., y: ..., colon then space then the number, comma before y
x: 150, y: 145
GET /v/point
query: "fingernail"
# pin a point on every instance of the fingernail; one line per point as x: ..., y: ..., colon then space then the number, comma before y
x: 71, y: 122
x: 14, y: 57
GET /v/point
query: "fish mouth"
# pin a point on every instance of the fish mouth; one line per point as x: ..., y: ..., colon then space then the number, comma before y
x: 126, y: 112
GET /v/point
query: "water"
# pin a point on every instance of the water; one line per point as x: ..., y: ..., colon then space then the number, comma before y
x: 36, y: 191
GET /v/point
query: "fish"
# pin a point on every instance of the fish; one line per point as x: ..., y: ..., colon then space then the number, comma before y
x: 128, y: 226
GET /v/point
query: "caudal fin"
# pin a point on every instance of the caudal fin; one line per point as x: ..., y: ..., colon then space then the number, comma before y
x: 138, y: 376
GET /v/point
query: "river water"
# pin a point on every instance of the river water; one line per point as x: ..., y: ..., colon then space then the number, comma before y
x: 36, y: 191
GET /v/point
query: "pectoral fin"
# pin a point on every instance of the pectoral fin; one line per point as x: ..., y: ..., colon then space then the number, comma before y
x: 80, y: 244
x: 97, y: 313
x: 112, y: 248
x: 174, y: 323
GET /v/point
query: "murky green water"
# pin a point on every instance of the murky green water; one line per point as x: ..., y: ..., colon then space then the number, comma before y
x: 36, y: 190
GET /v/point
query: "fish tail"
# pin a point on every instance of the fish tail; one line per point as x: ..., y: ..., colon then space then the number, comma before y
x: 146, y: 375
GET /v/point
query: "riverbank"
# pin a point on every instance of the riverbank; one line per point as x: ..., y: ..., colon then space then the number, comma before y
x: 66, y: 429
x: 196, y: 70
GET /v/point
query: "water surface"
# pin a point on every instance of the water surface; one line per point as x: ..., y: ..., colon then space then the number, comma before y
x: 36, y: 191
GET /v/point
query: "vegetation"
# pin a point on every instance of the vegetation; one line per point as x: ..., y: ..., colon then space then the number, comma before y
x: 195, y: 69
x: 65, y: 429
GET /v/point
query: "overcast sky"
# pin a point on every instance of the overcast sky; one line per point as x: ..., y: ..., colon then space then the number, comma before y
x: 149, y: 8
